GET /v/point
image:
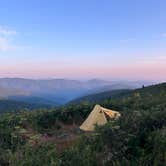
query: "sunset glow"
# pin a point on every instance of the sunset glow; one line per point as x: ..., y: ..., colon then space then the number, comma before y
x: 75, y: 40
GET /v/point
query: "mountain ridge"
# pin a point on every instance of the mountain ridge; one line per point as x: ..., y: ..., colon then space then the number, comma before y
x: 57, y: 90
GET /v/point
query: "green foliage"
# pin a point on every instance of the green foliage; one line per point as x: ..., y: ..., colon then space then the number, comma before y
x: 137, y: 138
x: 129, y: 141
x: 43, y: 154
x: 8, y: 106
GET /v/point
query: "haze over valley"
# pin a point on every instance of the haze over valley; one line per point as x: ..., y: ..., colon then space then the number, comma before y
x: 58, y: 91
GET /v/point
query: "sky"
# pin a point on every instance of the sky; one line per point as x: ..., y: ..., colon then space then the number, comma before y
x: 83, y: 39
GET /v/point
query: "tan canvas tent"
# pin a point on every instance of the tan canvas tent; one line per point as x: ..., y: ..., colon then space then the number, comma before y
x: 98, y: 116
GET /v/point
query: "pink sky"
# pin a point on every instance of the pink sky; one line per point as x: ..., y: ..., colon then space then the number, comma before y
x: 138, y: 70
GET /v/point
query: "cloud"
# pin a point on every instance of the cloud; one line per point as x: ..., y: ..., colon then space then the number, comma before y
x: 6, y: 37
x: 4, y: 31
x: 6, y: 45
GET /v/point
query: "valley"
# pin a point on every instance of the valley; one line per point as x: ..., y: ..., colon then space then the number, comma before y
x: 56, y: 92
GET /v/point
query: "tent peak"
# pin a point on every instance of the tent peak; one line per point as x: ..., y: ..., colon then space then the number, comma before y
x: 98, y: 116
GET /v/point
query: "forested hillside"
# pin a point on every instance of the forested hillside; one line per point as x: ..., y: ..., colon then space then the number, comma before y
x: 16, y: 106
x: 99, y: 97
x: 52, y: 137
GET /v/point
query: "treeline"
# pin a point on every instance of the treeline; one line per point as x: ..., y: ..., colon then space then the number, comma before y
x: 7, y: 106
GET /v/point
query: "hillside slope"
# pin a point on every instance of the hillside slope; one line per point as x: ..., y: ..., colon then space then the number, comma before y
x: 52, y: 137
x: 98, y: 97
x: 150, y: 94
x: 14, y: 106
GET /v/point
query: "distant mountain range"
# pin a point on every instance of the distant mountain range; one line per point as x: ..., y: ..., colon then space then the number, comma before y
x: 58, y: 91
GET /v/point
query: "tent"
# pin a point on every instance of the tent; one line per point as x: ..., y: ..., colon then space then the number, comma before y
x: 98, y: 116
